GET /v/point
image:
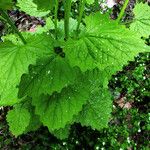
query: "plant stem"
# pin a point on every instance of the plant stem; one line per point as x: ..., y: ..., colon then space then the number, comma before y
x: 122, y: 10
x: 2, y: 18
x: 97, y: 4
x: 81, y: 11
x: 67, y: 16
x: 5, y: 15
x: 55, y: 16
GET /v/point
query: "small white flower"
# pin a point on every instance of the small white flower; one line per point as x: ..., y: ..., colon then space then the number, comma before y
x: 110, y: 3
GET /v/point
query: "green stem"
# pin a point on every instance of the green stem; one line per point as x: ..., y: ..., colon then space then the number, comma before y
x: 123, y: 10
x: 55, y: 16
x: 2, y: 18
x: 5, y: 15
x: 81, y: 11
x: 97, y: 4
x: 67, y: 16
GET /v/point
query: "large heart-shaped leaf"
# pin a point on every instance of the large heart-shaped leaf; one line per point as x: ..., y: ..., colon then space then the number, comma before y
x: 104, y: 43
x: 14, y: 61
x: 58, y: 110
x: 49, y: 75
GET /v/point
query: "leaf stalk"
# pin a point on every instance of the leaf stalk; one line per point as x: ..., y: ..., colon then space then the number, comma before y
x: 55, y: 17
x: 11, y: 23
x: 67, y: 4
x: 122, y: 11
x: 81, y: 11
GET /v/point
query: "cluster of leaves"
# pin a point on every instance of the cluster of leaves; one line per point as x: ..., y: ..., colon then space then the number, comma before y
x: 60, y: 76
x: 128, y: 128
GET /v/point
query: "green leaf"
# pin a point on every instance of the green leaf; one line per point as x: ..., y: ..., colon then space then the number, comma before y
x: 72, y: 28
x: 96, y: 113
x: 34, y: 123
x: 62, y: 133
x: 18, y: 119
x: 6, y: 4
x: 57, y: 110
x: 29, y: 7
x: 141, y: 23
x: 104, y: 43
x: 48, y: 25
x: 90, y: 1
x: 45, y: 4
x: 14, y: 61
x: 22, y: 118
x: 49, y: 75
x: 12, y: 38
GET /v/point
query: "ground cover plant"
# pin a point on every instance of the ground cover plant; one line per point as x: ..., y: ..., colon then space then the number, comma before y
x: 59, y: 74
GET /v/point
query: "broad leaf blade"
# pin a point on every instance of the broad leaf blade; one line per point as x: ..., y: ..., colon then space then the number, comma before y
x: 49, y: 75
x: 22, y: 118
x: 34, y: 123
x: 96, y: 113
x: 45, y: 4
x: 62, y: 133
x: 141, y: 23
x: 57, y: 110
x: 18, y: 119
x: 29, y: 7
x: 103, y: 44
x: 14, y: 61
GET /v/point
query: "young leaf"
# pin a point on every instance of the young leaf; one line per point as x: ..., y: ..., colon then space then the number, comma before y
x: 49, y: 75
x: 18, y: 119
x: 57, y: 110
x: 141, y: 23
x: 29, y: 7
x: 96, y: 113
x: 14, y: 61
x: 104, y: 43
